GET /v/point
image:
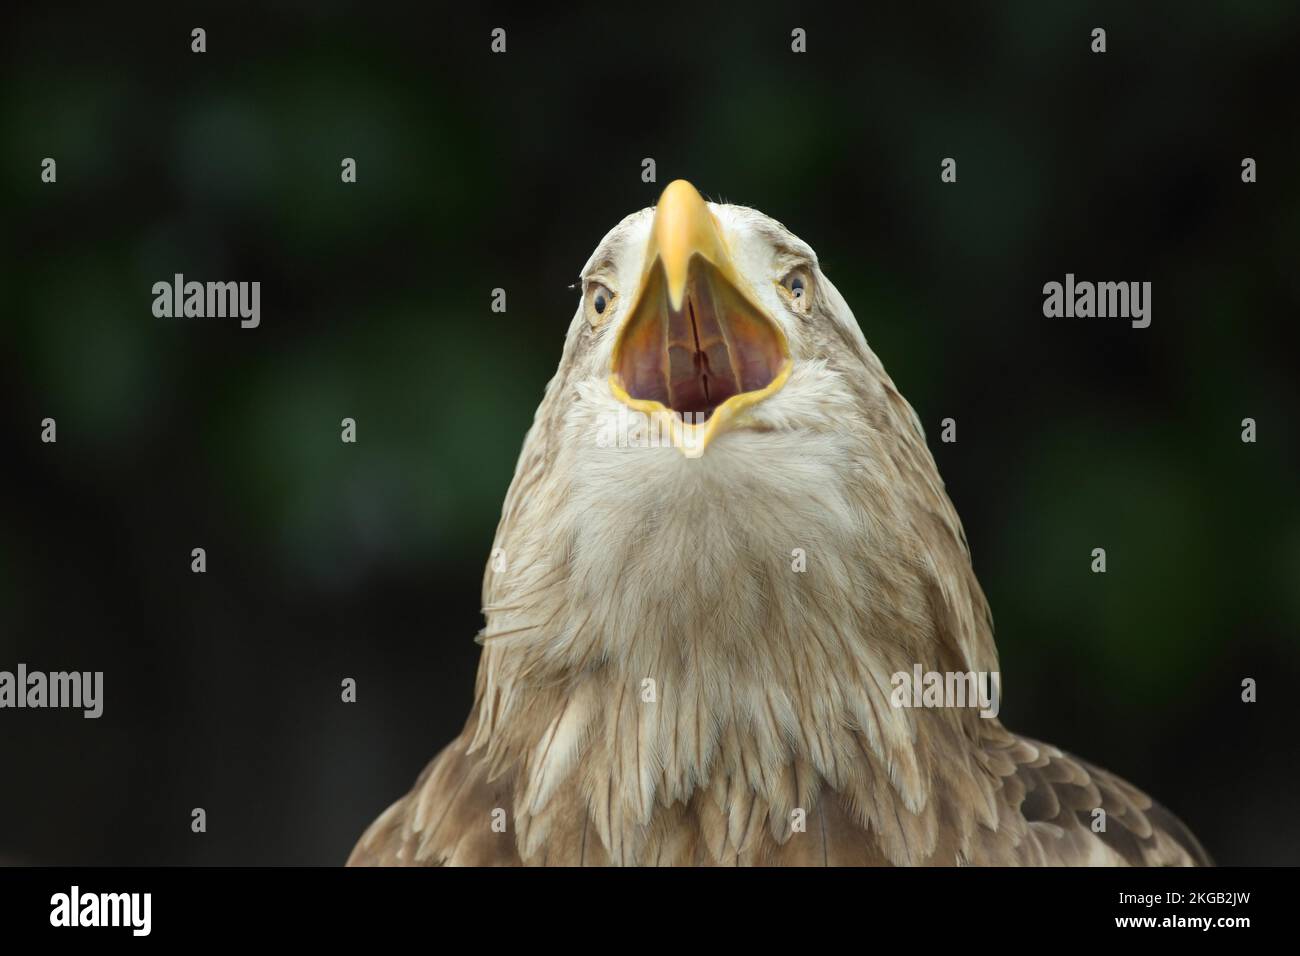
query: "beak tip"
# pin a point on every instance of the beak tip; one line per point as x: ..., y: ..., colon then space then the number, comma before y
x: 683, y: 227
x: 682, y: 187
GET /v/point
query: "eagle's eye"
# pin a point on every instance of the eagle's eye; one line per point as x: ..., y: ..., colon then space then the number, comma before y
x: 796, y: 286
x: 599, y: 300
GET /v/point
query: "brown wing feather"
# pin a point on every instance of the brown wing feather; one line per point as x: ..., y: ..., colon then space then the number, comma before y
x: 1056, y: 795
x: 445, y: 820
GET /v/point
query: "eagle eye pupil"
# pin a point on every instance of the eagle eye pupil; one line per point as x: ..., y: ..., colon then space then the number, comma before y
x: 600, y: 303
x: 796, y: 287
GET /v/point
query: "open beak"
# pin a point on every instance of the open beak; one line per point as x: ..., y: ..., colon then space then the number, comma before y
x: 695, y: 351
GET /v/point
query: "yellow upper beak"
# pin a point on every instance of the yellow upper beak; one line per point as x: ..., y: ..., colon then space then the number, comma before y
x: 694, y: 338
x: 684, y: 227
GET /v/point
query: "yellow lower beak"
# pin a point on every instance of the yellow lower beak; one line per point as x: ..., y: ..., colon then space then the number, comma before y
x: 694, y: 351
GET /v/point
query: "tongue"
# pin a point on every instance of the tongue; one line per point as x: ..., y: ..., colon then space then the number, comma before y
x: 700, y: 376
x: 692, y: 359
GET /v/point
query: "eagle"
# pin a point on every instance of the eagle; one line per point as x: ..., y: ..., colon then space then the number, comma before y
x: 724, y: 541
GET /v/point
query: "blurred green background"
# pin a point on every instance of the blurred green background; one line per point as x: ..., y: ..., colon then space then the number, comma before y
x: 476, y: 171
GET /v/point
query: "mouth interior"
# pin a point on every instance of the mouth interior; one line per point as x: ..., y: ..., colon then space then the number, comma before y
x: 692, y: 359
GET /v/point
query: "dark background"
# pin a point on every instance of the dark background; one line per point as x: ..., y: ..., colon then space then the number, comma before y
x: 328, y: 560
